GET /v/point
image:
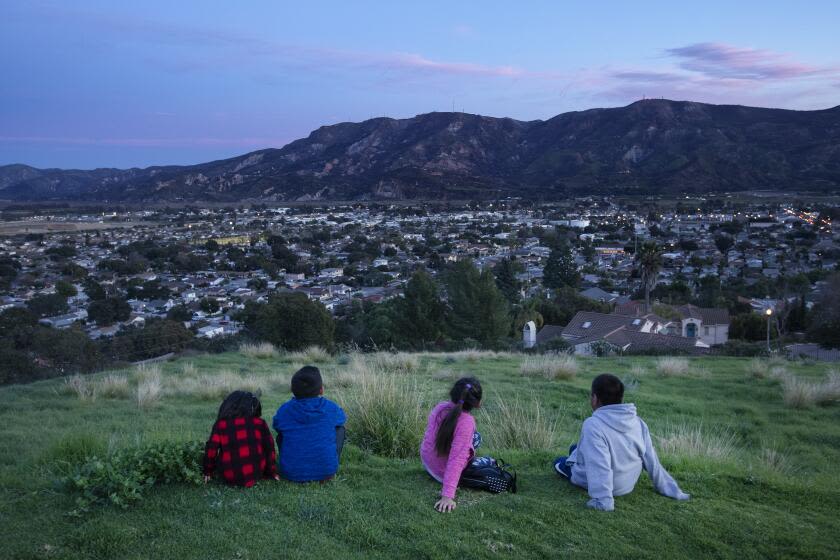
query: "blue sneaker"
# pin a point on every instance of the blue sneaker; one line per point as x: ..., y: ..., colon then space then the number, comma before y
x: 562, y: 468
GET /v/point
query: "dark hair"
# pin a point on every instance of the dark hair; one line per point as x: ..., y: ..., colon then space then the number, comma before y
x: 306, y: 382
x: 466, y: 394
x: 240, y: 404
x: 608, y: 388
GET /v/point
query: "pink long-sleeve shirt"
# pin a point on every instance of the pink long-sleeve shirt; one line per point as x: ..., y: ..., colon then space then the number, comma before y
x: 447, y: 469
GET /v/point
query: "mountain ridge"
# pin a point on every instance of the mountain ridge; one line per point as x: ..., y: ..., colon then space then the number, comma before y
x: 650, y: 146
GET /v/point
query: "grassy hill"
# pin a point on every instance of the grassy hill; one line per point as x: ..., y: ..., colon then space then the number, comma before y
x: 762, y: 473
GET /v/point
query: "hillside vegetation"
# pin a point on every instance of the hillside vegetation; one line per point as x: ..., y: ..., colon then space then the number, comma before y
x: 759, y: 462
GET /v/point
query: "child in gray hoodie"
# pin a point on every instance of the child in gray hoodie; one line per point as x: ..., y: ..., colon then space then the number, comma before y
x: 614, y: 447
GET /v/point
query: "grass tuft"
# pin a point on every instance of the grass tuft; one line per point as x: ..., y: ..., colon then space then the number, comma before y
x: 262, y: 350
x: 690, y: 440
x: 80, y: 386
x: 550, y: 366
x: 672, y: 366
x: 149, y: 389
x: 802, y: 393
x: 114, y: 386
x: 384, y: 414
x: 515, y: 424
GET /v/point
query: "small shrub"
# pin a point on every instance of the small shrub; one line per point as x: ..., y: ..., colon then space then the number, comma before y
x: 672, y: 366
x: 149, y: 390
x: 114, y: 386
x: 687, y: 440
x: 757, y: 368
x: 80, y: 386
x: 263, y: 350
x: 519, y: 425
x: 384, y: 415
x: 122, y: 477
x: 558, y: 366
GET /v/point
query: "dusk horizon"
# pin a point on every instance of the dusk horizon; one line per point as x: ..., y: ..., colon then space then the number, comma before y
x: 106, y: 86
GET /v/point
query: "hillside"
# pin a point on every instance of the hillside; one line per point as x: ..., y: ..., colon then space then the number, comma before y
x: 763, y: 477
x: 651, y: 146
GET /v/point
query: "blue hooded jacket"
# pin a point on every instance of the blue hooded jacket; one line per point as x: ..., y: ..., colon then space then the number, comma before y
x: 308, y: 450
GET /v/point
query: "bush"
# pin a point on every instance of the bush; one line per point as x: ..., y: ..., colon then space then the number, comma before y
x: 384, y: 415
x: 122, y: 477
x: 559, y: 366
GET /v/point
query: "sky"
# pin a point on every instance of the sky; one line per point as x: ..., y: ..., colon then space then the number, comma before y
x: 88, y: 84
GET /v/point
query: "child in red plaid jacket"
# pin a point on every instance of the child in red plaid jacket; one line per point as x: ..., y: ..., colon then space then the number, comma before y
x: 240, y: 446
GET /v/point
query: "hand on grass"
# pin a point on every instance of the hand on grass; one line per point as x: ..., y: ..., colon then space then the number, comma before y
x: 276, y: 477
x: 445, y: 505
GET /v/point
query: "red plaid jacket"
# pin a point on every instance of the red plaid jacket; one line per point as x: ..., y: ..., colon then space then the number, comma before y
x: 242, y: 449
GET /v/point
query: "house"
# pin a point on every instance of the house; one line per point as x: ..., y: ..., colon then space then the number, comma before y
x: 211, y: 331
x: 588, y: 330
x: 710, y: 325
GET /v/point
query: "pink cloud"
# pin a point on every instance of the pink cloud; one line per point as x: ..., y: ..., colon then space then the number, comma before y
x: 718, y: 60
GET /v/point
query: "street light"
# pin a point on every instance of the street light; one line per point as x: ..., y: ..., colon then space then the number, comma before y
x: 769, y: 313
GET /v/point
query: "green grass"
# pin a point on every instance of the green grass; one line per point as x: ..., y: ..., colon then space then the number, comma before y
x: 776, y: 494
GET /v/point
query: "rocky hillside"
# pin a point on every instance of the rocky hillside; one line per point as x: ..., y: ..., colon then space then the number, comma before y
x: 652, y: 146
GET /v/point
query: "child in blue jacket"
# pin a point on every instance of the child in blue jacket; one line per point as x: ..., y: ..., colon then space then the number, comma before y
x: 310, y: 430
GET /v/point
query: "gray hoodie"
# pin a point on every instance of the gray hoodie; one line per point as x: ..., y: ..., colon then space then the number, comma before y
x: 614, y: 446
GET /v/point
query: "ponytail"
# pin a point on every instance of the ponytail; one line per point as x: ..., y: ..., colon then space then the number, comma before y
x: 466, y: 394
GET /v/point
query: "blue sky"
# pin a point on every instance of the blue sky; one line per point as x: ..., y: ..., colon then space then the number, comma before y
x: 119, y: 84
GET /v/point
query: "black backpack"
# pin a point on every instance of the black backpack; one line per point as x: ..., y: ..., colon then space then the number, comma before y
x: 495, y: 477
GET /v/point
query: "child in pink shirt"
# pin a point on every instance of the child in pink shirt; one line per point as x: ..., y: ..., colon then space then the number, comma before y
x: 450, y: 439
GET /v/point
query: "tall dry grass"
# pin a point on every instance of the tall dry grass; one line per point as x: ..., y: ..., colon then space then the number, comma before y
x: 114, y: 386
x: 262, y: 350
x: 691, y: 440
x: 384, y: 413
x: 798, y: 392
x: 80, y: 386
x: 310, y: 355
x: 672, y: 366
x: 149, y: 389
x: 516, y: 424
x: 550, y: 366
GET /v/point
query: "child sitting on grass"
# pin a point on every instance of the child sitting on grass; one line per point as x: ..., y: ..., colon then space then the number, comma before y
x: 310, y: 430
x: 240, y: 444
x: 614, y: 447
x: 450, y: 440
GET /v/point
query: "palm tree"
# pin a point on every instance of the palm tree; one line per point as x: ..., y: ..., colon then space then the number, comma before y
x: 649, y: 263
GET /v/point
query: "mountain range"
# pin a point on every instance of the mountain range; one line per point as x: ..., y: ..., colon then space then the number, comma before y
x: 653, y: 146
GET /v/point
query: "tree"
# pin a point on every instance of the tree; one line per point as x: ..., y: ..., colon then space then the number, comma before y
x: 506, y: 280
x: 65, y: 289
x: 825, y: 319
x: 291, y: 321
x: 749, y: 326
x: 209, y: 305
x: 93, y: 289
x: 560, y: 269
x: 420, y: 314
x: 723, y: 243
x: 649, y: 263
x: 478, y: 310
x: 48, y: 305
x: 108, y: 311
x: 180, y: 313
